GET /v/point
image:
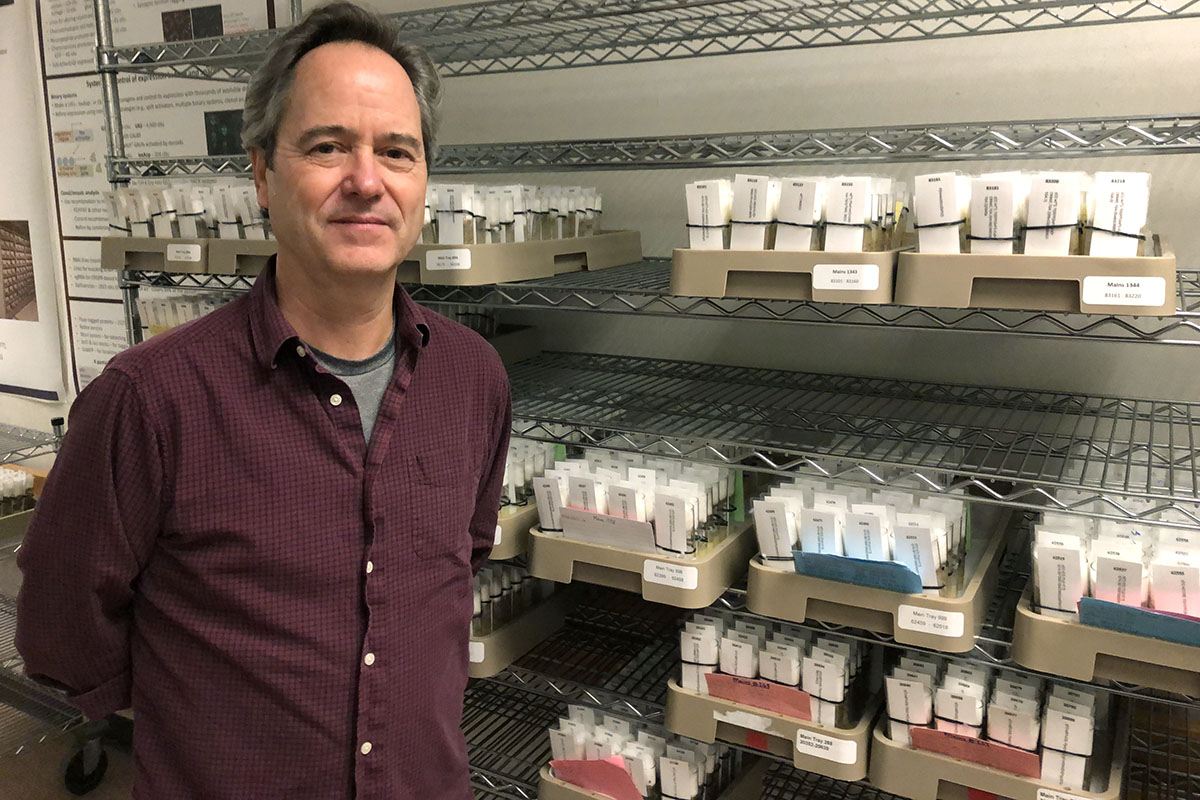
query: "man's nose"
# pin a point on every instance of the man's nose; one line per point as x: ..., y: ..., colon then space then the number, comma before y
x: 362, y: 173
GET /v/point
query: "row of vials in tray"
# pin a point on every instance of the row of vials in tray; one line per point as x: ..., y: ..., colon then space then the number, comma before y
x: 187, y: 211
x: 503, y: 592
x: 926, y: 534
x: 467, y: 213
x: 16, y: 491
x: 1057, y: 721
x: 661, y: 764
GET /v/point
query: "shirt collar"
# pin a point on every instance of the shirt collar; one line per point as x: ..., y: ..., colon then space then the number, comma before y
x: 270, y: 332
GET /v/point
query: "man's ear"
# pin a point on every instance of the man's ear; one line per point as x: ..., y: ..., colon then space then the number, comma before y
x: 258, y: 165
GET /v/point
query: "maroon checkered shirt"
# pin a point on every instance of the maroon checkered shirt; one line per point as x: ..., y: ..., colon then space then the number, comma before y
x: 286, y: 610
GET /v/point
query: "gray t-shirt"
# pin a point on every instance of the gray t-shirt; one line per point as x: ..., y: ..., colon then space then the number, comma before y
x: 367, y: 379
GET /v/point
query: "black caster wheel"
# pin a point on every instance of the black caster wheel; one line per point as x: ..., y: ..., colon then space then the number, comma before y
x: 77, y: 781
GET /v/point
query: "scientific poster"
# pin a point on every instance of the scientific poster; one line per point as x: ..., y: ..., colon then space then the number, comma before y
x: 98, y: 334
x: 30, y: 344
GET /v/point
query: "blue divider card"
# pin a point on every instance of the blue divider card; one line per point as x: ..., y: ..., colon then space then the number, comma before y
x: 875, y: 574
x: 1138, y: 621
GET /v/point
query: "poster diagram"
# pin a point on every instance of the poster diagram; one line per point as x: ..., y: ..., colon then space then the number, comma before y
x: 19, y: 297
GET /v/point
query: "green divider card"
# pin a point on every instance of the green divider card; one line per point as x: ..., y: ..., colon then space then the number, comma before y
x: 739, y: 497
x: 560, y: 452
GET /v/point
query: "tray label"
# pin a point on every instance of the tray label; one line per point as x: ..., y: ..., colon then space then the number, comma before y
x: 1117, y: 290
x: 840, y: 751
x: 1051, y: 794
x: 926, y: 620
x: 476, y: 652
x: 448, y: 259
x: 670, y: 574
x: 183, y: 252
x: 499, y: 534
x: 857, y: 277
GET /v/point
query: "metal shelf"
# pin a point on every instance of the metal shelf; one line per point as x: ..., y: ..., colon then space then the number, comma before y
x: 645, y: 288
x: 615, y: 653
x: 930, y: 438
x: 507, y: 743
x: 1070, y: 138
x: 788, y: 783
x: 519, y: 35
x: 29, y: 713
x: 1164, y: 753
x: 18, y: 444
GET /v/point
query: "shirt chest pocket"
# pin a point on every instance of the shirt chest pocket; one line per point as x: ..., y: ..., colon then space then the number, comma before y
x: 441, y: 500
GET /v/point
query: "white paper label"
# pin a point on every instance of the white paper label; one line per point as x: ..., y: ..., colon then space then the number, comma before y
x: 743, y: 719
x: 841, y: 751
x: 476, y: 652
x: 858, y: 277
x: 1101, y: 290
x: 670, y: 574
x: 499, y: 533
x: 926, y: 620
x: 183, y: 252
x: 448, y: 259
x: 1051, y: 794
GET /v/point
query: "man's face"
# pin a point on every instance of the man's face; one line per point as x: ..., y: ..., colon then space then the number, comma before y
x: 347, y: 191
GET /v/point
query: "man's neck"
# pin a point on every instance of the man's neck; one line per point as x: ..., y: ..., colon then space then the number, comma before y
x: 351, y: 320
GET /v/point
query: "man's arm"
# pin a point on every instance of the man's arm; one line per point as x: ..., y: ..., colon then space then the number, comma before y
x: 91, y: 536
x: 487, y: 499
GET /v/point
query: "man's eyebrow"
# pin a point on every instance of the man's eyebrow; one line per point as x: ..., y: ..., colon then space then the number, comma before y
x: 404, y: 138
x: 321, y: 131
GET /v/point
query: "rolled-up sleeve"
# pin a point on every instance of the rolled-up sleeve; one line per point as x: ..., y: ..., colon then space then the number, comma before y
x: 92, y: 534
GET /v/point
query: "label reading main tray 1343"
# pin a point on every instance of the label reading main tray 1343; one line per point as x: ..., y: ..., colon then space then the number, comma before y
x: 855, y: 277
x: 448, y: 259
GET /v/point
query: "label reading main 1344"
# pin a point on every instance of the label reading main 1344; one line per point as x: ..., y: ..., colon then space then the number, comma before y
x: 1117, y: 290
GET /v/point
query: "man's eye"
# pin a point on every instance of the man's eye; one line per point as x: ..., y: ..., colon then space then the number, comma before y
x: 325, y: 148
x: 397, y: 153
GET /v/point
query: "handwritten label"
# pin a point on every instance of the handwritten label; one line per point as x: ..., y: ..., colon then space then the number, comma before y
x: 857, y: 277
x: 476, y: 652
x: 978, y: 751
x: 1051, y: 794
x: 926, y: 620
x: 670, y: 574
x: 760, y: 694
x: 840, y: 751
x: 183, y: 252
x: 448, y: 259
x: 1101, y: 290
x: 499, y: 534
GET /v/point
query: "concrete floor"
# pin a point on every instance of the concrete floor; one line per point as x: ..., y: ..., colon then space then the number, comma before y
x: 36, y: 773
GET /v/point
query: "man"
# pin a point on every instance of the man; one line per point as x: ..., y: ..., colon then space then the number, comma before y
x: 261, y: 528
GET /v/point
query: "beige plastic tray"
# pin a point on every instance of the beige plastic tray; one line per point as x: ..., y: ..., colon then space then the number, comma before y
x: 746, y: 787
x: 239, y: 256
x: 495, y: 652
x: 1038, y: 283
x: 557, y: 558
x: 13, y: 526
x: 1073, y: 650
x: 921, y: 775
x: 788, y: 596
x: 519, y: 261
x: 512, y: 531
x: 774, y: 274
x: 154, y: 255
x: 708, y: 719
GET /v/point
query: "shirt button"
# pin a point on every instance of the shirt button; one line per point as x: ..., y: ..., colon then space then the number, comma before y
x: 300, y: 350
x: 369, y: 659
x: 365, y: 749
x: 370, y: 567
x: 335, y: 399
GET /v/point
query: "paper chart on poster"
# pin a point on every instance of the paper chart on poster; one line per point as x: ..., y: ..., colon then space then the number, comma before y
x: 69, y: 26
x: 30, y: 341
x: 162, y: 118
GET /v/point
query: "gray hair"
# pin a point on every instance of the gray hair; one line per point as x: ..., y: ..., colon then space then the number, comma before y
x: 267, y: 93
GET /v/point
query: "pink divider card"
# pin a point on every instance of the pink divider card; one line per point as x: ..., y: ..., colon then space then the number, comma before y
x: 761, y: 694
x: 977, y: 751
x: 607, y: 777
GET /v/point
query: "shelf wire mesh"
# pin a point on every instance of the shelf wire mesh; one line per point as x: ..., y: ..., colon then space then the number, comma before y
x: 923, y: 436
x: 1164, y: 752
x: 507, y: 743
x: 17, y: 444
